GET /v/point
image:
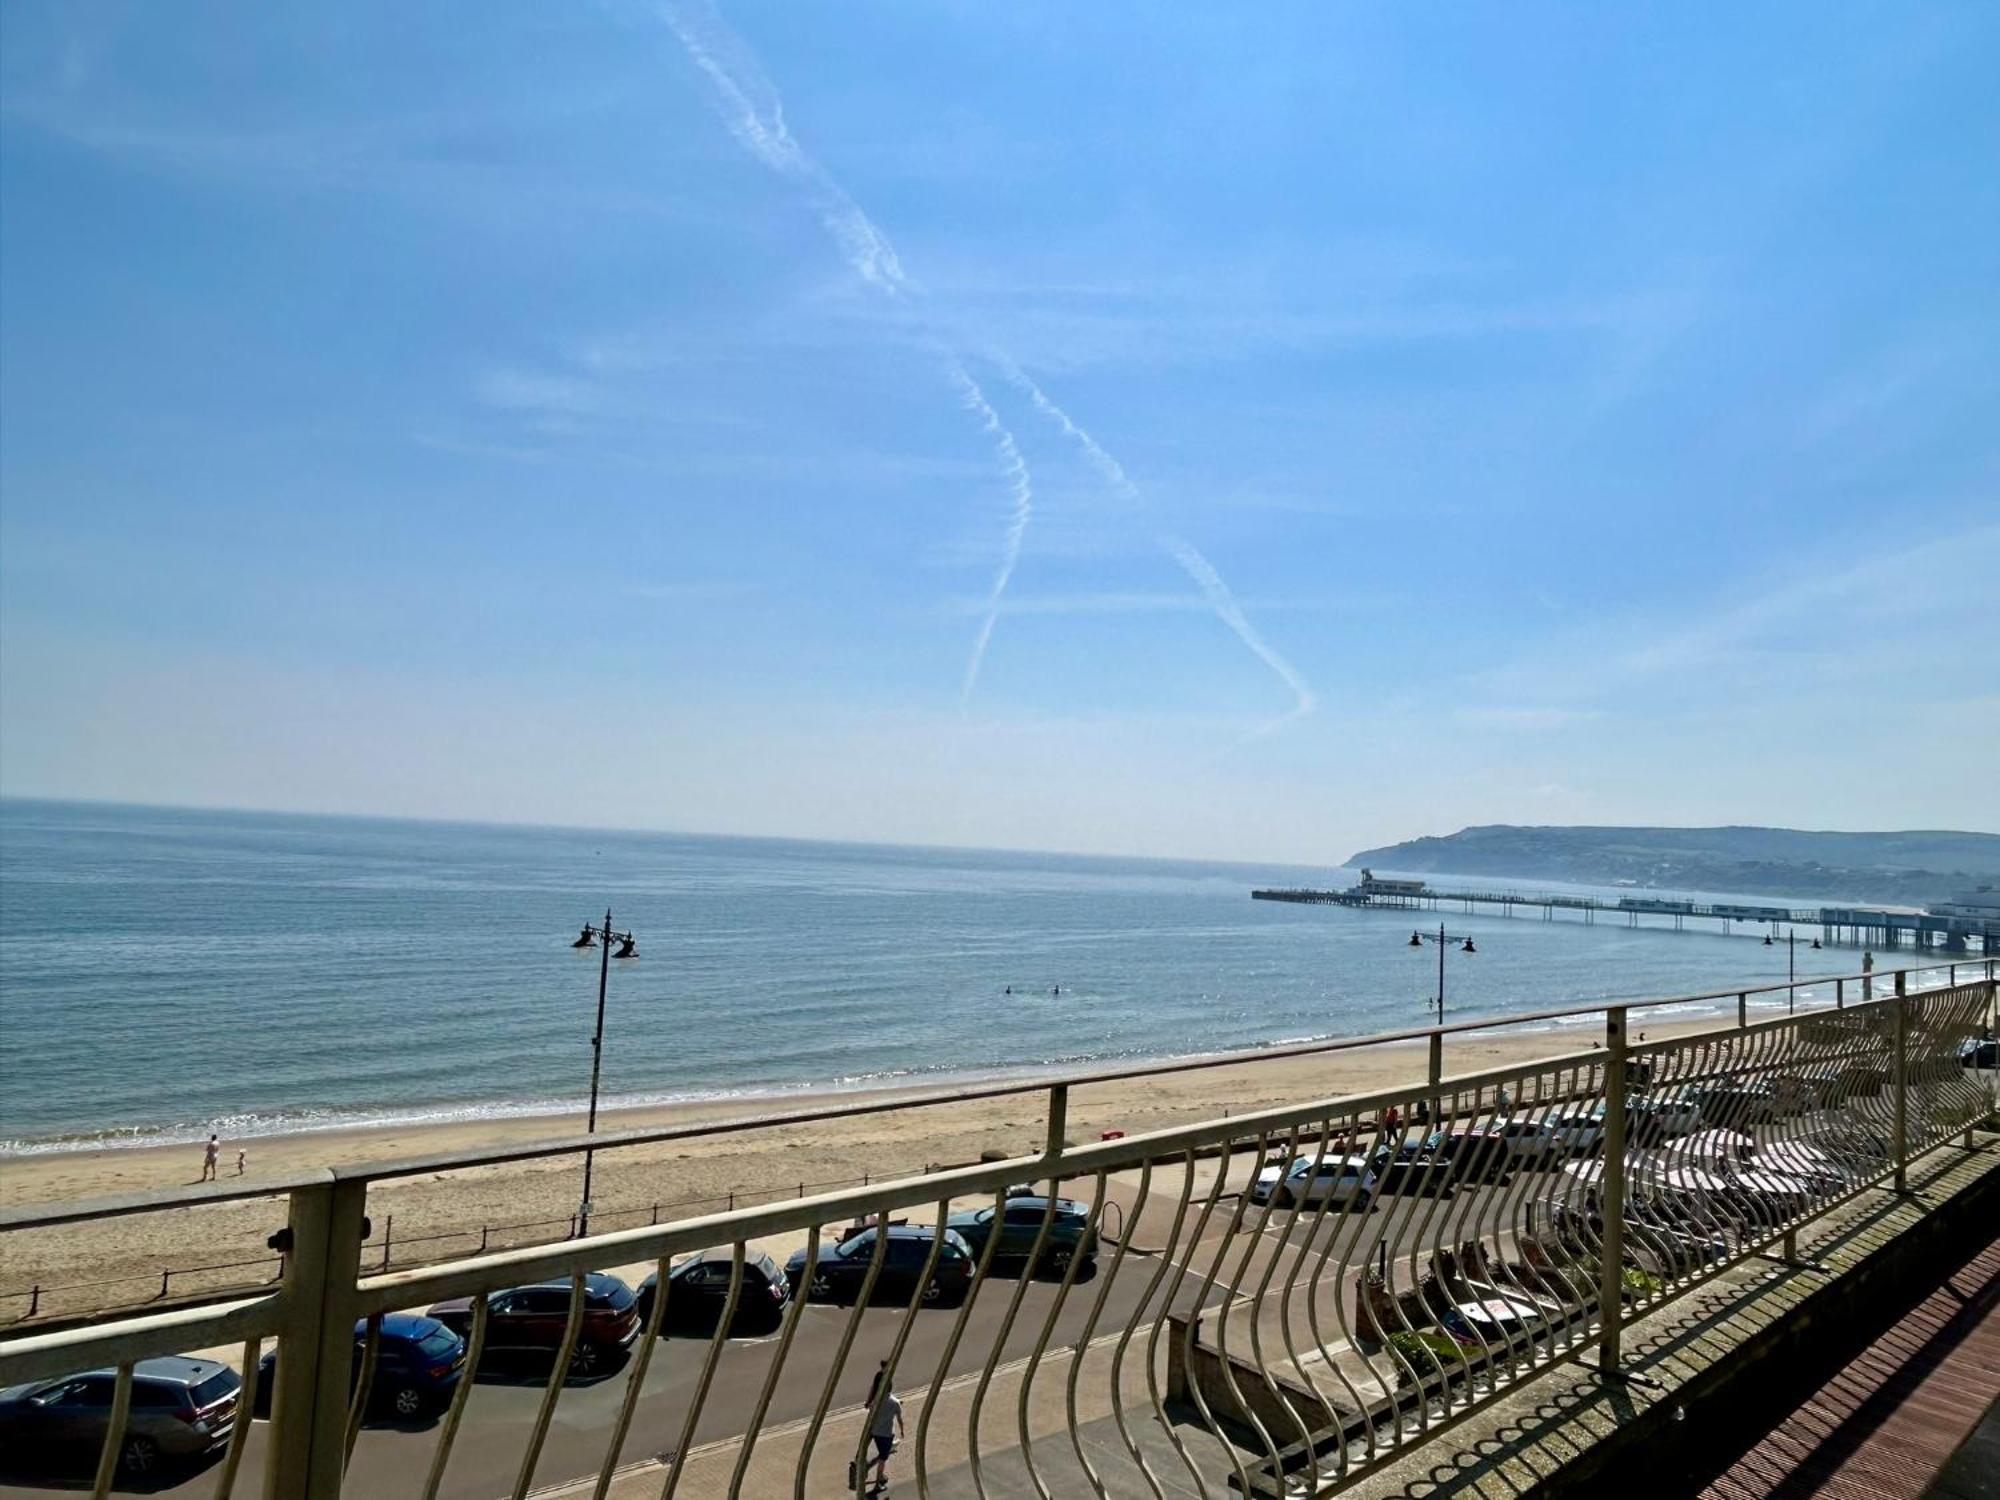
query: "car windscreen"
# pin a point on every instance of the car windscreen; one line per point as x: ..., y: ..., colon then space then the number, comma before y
x: 213, y: 1389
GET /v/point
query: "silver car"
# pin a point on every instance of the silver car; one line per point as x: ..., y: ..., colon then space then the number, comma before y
x: 1343, y: 1180
x: 181, y: 1408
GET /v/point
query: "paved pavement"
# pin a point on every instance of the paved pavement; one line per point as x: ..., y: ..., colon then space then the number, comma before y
x: 1887, y: 1424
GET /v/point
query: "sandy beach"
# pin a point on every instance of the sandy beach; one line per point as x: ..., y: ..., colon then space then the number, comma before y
x: 435, y: 1216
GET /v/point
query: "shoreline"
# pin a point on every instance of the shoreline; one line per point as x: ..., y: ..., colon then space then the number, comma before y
x: 437, y: 1214
x: 508, y: 1120
x: 1200, y: 1089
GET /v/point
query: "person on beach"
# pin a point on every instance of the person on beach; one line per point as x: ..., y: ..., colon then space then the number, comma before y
x: 242, y: 1159
x: 209, y: 1155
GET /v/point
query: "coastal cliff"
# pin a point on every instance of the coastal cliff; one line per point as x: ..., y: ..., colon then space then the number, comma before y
x: 1906, y: 868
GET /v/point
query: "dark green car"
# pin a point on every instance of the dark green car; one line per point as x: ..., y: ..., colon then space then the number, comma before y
x: 1019, y: 1222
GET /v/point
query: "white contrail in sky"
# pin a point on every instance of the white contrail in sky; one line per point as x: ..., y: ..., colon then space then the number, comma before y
x: 756, y: 116
x: 1016, y: 469
x: 1223, y: 602
x: 1183, y: 552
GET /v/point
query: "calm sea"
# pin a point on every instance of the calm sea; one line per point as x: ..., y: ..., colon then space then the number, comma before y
x: 163, y: 972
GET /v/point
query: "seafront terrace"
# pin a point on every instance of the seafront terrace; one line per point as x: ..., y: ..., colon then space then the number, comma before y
x: 1221, y: 1340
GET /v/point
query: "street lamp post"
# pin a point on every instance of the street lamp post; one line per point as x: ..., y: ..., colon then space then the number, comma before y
x: 1791, y: 967
x: 1418, y: 939
x: 627, y: 948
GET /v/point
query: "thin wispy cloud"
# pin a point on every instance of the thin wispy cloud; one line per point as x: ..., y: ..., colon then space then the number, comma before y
x: 1819, y: 614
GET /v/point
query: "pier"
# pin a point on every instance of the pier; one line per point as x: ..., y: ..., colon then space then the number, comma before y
x: 1864, y: 927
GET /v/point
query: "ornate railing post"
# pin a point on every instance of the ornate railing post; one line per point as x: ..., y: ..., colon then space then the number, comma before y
x: 1058, y: 1118
x: 1611, y: 1196
x: 1902, y: 1076
x: 1435, y: 1097
x: 324, y: 1230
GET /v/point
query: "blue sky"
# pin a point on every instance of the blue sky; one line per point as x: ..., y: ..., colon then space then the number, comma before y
x: 1197, y: 432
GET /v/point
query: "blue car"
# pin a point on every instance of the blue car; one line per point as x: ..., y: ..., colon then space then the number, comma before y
x: 418, y: 1364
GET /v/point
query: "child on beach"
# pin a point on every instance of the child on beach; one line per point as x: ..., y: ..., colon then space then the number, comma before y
x: 242, y: 1156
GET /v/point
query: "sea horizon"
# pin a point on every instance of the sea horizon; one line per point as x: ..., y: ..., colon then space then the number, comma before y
x: 318, y: 972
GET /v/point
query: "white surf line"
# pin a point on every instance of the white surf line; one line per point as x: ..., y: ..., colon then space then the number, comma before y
x: 755, y: 114
x: 1199, y: 570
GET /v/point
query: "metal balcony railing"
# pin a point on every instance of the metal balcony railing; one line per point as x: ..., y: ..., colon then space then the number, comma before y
x: 1273, y: 1303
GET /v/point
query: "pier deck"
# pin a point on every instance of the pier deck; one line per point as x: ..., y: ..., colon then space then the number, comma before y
x: 1869, y: 927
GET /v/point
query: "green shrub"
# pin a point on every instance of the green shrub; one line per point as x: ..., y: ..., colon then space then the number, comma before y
x: 1641, y: 1284
x: 1426, y: 1353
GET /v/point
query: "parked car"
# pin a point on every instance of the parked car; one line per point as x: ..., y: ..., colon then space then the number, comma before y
x: 1530, y: 1143
x: 181, y: 1408
x: 1342, y: 1181
x: 1406, y: 1169
x: 1476, y: 1155
x: 843, y: 1269
x: 1019, y: 1224
x: 698, y: 1289
x: 1677, y: 1112
x: 1581, y: 1131
x: 1980, y: 1054
x: 532, y: 1319
x: 1735, y: 1105
x: 1797, y: 1093
x: 418, y: 1364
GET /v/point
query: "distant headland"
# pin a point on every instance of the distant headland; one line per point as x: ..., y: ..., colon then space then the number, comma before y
x: 1914, y: 868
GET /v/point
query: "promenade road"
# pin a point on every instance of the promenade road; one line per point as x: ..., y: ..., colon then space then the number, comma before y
x: 391, y: 1460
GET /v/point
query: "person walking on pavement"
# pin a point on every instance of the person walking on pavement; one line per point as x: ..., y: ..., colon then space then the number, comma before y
x: 886, y: 1428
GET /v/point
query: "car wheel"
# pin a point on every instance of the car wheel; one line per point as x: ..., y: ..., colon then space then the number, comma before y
x: 1056, y: 1262
x: 932, y: 1292
x: 822, y: 1287
x: 584, y: 1359
x: 408, y: 1401
x: 140, y: 1455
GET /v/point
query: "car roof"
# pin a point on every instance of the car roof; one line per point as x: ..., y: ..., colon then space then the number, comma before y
x: 600, y: 1282
x: 175, y: 1367
x: 1041, y: 1201
x: 403, y: 1325
x: 723, y: 1255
